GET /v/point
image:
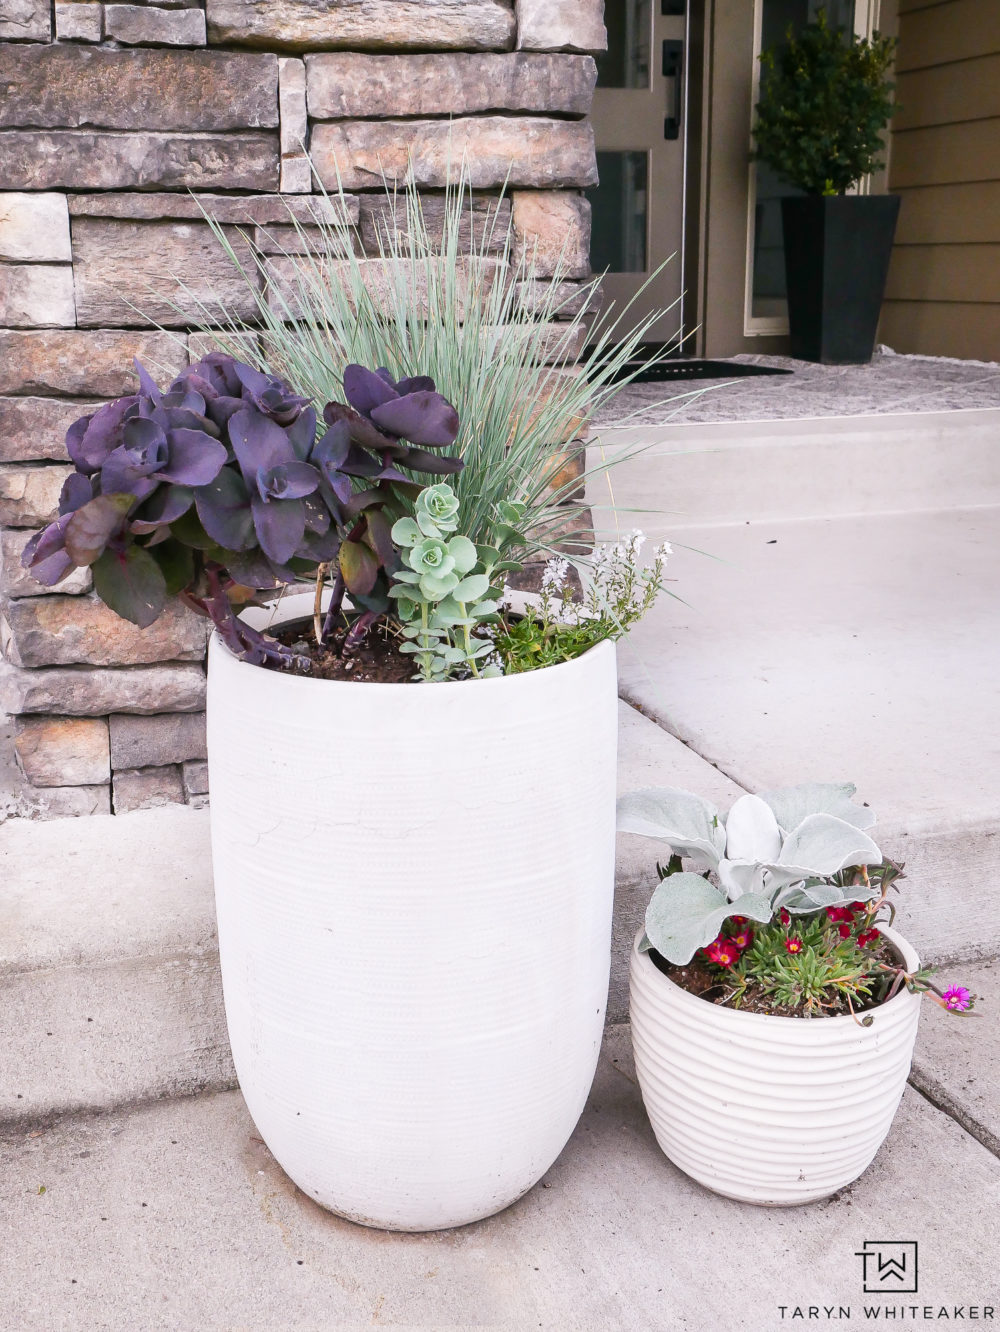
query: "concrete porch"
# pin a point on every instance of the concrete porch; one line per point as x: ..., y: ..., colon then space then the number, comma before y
x: 839, y: 621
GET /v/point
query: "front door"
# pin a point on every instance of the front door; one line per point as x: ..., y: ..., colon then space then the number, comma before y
x: 639, y: 124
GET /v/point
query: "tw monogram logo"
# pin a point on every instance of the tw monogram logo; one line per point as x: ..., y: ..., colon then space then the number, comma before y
x: 890, y: 1266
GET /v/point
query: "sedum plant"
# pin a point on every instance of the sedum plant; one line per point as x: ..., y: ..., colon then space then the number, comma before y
x: 789, y: 904
x: 825, y: 101
x: 443, y: 594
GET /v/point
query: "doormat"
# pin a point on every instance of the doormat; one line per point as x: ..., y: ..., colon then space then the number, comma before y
x: 696, y: 369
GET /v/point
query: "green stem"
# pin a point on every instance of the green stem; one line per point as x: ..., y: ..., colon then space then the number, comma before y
x: 469, y: 658
x: 426, y: 658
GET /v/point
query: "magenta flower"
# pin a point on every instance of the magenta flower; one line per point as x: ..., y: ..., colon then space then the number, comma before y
x: 957, y: 998
x: 723, y: 953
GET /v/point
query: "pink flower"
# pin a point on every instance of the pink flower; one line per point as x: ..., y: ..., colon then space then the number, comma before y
x: 723, y: 953
x: 793, y: 945
x: 957, y: 998
x: 742, y: 940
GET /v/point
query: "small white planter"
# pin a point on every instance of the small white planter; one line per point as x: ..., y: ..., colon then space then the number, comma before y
x: 770, y: 1110
x: 414, y: 887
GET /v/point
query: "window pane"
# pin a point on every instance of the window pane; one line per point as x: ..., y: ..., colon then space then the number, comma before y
x: 619, y: 203
x: 625, y: 64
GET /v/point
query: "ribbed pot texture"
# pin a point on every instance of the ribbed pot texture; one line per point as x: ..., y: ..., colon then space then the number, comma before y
x: 770, y: 1110
x: 414, y: 887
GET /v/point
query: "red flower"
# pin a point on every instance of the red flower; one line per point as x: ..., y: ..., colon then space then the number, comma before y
x: 742, y: 940
x: 845, y: 931
x: 739, y: 921
x: 723, y: 953
x: 868, y: 937
x: 793, y: 944
x: 859, y: 906
x: 784, y: 917
x: 840, y: 913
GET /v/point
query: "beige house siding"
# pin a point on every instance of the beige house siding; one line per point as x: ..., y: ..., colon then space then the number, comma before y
x: 943, y: 295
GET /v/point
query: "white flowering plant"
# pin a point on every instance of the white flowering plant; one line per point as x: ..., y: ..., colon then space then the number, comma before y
x: 618, y: 591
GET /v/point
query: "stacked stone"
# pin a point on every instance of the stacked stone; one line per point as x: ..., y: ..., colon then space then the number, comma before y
x: 109, y: 119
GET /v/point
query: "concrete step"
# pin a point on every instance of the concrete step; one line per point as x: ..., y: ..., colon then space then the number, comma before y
x: 859, y: 649
x: 175, y: 1215
x: 702, y: 474
x: 109, y: 958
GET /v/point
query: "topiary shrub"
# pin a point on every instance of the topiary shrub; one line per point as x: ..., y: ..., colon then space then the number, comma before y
x: 825, y: 101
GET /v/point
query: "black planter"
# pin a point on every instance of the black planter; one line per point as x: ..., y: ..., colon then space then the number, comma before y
x: 836, y: 261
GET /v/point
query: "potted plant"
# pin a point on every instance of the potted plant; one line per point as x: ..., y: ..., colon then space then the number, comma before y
x: 825, y: 102
x: 774, y: 1009
x: 412, y: 778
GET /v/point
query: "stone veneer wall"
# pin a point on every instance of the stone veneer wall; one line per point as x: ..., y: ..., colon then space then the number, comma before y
x: 109, y: 115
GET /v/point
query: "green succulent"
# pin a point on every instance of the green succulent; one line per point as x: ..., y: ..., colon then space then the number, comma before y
x: 442, y: 592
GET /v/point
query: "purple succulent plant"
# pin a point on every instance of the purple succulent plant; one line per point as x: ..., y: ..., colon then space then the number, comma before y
x: 221, y: 483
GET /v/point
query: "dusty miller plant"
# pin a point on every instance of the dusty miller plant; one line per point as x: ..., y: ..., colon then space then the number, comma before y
x: 797, y: 862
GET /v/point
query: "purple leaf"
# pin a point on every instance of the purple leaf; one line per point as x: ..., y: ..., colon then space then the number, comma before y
x: 416, y: 384
x: 162, y: 508
x: 218, y: 369
x: 74, y: 442
x: 317, y: 515
x: 380, y: 539
x: 91, y: 528
x: 270, y: 395
x: 258, y: 442
x: 422, y: 418
x: 188, y: 400
x: 131, y: 583
x: 195, y: 458
x: 319, y: 547
x: 440, y: 464
x: 359, y: 567
x: 147, y: 384
x: 332, y: 448
x: 224, y: 510
x: 362, y: 431
x: 177, y: 418
x: 302, y: 433
x: 120, y: 475
x: 45, y: 554
x: 287, y: 481
x: 364, y: 389
x: 103, y: 434
x: 280, y: 526
x: 253, y: 569
x: 76, y: 491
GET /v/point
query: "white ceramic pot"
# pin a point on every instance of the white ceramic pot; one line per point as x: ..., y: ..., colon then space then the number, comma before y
x: 414, y: 887
x: 770, y: 1110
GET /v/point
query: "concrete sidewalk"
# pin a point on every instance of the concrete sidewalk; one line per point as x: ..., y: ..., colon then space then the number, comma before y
x: 844, y: 642
x: 176, y: 1217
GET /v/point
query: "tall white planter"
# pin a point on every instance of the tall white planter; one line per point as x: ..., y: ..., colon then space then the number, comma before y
x: 769, y: 1110
x: 414, y: 888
